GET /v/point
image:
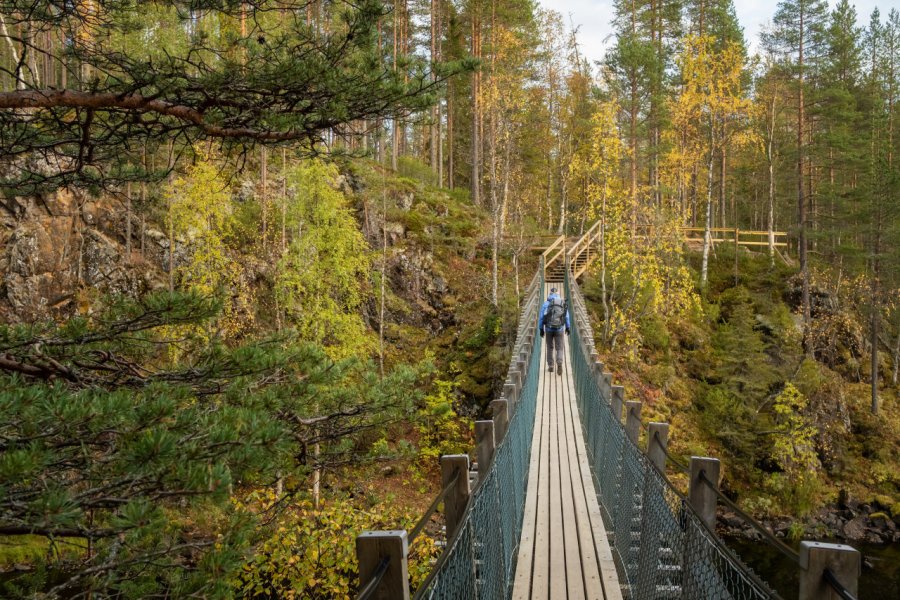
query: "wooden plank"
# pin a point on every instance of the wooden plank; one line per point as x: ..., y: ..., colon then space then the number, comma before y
x: 573, y: 557
x: 593, y: 585
x: 541, y: 559
x: 522, y: 581
x: 605, y: 560
x: 556, y: 534
x: 540, y: 589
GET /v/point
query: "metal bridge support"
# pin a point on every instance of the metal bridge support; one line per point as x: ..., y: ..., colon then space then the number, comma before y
x: 373, y: 547
x: 484, y: 446
x: 633, y: 420
x: 455, y: 465
x: 500, y: 411
x: 657, y: 444
x: 700, y: 495
x: 815, y: 557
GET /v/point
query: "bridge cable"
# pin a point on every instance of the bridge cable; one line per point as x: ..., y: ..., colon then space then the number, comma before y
x: 837, y: 586
x: 431, y: 509
x: 366, y: 592
x: 767, y: 535
x: 683, y: 467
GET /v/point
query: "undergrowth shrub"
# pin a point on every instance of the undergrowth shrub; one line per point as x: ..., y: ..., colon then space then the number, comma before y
x: 311, y: 553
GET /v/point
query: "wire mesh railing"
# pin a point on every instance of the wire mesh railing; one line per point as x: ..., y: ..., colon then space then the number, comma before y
x: 479, y: 560
x: 664, y: 549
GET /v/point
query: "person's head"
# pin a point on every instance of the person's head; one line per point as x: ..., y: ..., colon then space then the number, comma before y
x: 553, y: 292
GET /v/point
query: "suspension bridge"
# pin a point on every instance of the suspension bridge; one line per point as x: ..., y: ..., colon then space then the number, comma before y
x: 568, y: 500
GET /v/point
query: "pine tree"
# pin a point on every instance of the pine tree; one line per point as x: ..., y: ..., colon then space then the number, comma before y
x: 797, y: 35
x: 108, y: 445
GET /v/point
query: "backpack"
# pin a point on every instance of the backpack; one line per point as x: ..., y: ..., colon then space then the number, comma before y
x: 556, y: 314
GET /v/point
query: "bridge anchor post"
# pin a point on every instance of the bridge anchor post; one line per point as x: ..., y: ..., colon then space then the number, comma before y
x: 815, y: 557
x: 372, y: 547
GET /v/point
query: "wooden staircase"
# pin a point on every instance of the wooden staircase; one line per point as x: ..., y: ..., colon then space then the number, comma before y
x: 571, y: 253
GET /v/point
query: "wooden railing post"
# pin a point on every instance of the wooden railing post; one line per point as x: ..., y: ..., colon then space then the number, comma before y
x: 374, y: 546
x: 657, y: 444
x: 843, y: 562
x: 616, y: 399
x: 484, y: 446
x: 455, y: 465
x: 633, y: 420
x: 700, y: 495
x: 500, y: 412
x: 518, y: 379
x: 510, y: 392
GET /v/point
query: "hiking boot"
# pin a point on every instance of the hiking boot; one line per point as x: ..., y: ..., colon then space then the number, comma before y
x: 550, y: 369
x: 559, y: 369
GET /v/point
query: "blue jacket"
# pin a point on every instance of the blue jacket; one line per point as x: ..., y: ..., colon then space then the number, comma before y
x: 544, y: 314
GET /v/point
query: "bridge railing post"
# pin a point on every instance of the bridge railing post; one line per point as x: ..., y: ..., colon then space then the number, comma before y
x: 704, y: 473
x: 655, y: 553
x: 500, y: 412
x: 455, y: 465
x: 510, y: 392
x: 633, y: 420
x: 616, y: 399
x: 372, y: 548
x: 484, y: 446
x: 657, y: 444
x: 843, y: 562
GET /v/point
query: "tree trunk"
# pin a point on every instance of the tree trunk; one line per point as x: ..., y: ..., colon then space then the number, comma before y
x: 874, y: 326
x: 450, y: 165
x: 603, y: 294
x: 283, y: 200
x: 263, y: 192
x: 434, y: 109
x: 770, y: 157
x: 722, y: 189
x: 896, y: 370
x: 801, y: 200
x: 384, y: 246
x: 128, y: 225
x: 707, y: 233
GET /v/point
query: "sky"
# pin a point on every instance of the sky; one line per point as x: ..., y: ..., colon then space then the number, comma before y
x: 593, y: 18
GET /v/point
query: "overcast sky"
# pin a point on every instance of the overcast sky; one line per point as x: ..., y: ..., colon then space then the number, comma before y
x: 594, y: 16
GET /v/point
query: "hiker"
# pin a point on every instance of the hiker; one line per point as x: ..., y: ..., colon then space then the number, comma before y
x: 554, y: 319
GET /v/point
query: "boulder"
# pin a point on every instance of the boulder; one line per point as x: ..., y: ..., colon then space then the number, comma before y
x: 855, y: 529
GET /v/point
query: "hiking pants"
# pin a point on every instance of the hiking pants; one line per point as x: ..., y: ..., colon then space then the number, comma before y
x: 554, y: 339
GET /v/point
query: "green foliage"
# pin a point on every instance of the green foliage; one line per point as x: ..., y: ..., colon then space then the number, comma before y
x: 740, y: 348
x: 441, y: 431
x: 321, y: 278
x: 793, y: 449
x: 311, y: 553
x: 102, y: 441
x: 200, y: 214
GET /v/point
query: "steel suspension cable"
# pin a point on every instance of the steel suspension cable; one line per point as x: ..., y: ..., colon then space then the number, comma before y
x: 767, y: 535
x: 377, y: 576
x: 681, y: 466
x: 837, y: 586
x: 431, y: 509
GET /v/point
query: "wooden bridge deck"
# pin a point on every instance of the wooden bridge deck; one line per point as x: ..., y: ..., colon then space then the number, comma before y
x: 563, y: 552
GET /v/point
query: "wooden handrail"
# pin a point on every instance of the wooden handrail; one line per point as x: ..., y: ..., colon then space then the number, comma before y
x: 732, y: 230
x: 558, y: 241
